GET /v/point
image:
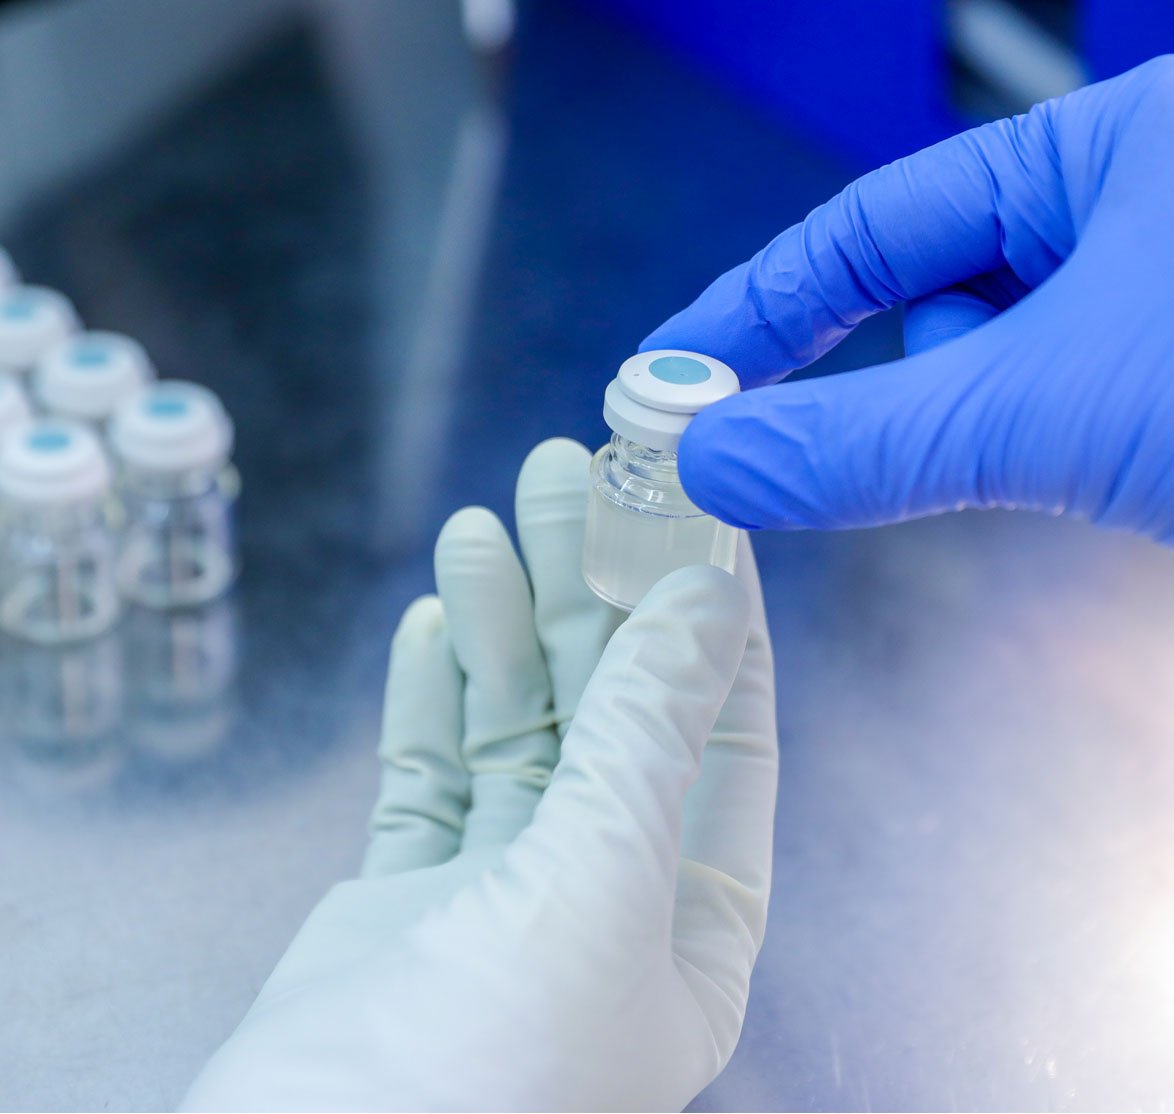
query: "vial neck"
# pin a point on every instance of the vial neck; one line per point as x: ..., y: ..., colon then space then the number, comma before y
x: 169, y: 485
x: 79, y: 515
x: 654, y: 464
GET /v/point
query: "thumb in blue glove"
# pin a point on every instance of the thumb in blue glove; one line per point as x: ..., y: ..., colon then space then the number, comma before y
x: 1035, y: 256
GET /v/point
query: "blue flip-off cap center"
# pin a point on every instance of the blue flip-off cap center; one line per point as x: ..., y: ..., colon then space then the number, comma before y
x: 48, y: 440
x: 90, y: 355
x: 167, y: 406
x: 19, y: 307
x: 683, y: 371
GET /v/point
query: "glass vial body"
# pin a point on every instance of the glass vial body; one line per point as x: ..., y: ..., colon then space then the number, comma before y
x: 178, y: 544
x: 181, y: 670
x: 57, y: 572
x: 641, y: 525
x: 64, y: 699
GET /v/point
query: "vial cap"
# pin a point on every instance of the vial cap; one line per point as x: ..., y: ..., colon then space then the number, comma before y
x: 14, y: 406
x: 52, y: 462
x: 171, y: 426
x: 32, y: 320
x: 655, y: 394
x: 9, y: 275
x: 86, y: 375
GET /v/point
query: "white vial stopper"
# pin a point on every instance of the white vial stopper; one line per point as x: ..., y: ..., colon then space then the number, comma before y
x: 14, y: 407
x: 32, y: 320
x: 172, y: 426
x: 655, y: 395
x: 88, y: 374
x: 53, y: 462
x: 9, y: 275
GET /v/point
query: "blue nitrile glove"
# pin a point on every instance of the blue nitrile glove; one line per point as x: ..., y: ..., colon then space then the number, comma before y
x: 1036, y: 255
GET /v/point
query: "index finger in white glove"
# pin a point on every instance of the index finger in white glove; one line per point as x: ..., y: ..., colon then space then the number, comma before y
x: 573, y: 623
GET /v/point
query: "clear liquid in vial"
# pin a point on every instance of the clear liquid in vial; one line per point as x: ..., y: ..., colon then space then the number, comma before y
x: 627, y: 551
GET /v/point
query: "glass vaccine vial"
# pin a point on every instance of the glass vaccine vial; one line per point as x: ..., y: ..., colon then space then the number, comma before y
x: 32, y: 320
x: 57, y: 552
x: 640, y: 523
x: 181, y: 672
x: 86, y: 375
x: 64, y: 699
x: 171, y: 443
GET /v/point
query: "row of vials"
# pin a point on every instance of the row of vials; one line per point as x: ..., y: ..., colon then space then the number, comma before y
x: 114, y: 485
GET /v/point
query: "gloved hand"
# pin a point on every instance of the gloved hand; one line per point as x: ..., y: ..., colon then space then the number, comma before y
x: 520, y: 938
x: 1036, y: 258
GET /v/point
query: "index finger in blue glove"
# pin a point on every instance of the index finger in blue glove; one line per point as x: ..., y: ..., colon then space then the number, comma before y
x: 953, y: 211
x: 1002, y: 196
x: 1056, y: 401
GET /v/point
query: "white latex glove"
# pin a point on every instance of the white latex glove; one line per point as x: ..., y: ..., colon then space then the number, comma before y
x: 580, y: 939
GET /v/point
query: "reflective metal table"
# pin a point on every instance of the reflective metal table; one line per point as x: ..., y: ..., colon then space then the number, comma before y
x: 401, y: 270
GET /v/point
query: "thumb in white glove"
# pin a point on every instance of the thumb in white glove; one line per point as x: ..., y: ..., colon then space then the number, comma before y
x: 522, y: 939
